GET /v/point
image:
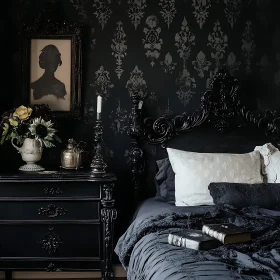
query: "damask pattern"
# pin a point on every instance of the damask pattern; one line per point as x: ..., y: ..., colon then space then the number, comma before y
x: 152, y: 41
x: 168, y: 10
x: 211, y: 77
x: 102, y: 11
x: 168, y: 49
x: 218, y: 41
x: 102, y: 83
x: 136, y: 11
x: 187, y: 85
x: 168, y: 65
x: 232, y: 64
x: 232, y: 10
x: 119, y: 120
x: 119, y: 47
x: 88, y: 112
x: 201, y: 64
x: 136, y: 84
x: 152, y: 97
x: 248, y: 45
x: 184, y: 41
x: 201, y: 11
x: 80, y: 8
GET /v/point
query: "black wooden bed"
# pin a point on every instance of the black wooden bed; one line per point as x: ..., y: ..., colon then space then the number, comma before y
x: 223, y: 124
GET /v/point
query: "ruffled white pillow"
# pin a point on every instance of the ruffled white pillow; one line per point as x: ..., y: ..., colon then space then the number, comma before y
x: 270, y: 162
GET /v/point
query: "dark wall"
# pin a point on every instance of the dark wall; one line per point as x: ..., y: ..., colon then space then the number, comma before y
x: 7, y: 48
x: 172, y: 48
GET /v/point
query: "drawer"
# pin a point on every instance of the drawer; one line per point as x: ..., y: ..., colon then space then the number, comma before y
x: 51, y: 264
x: 50, y: 189
x: 49, y: 210
x: 31, y: 241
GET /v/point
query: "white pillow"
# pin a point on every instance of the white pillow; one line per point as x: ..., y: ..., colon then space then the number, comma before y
x: 195, y: 171
x: 270, y: 156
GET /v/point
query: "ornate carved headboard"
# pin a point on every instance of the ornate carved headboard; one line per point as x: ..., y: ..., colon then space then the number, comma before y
x: 220, y: 106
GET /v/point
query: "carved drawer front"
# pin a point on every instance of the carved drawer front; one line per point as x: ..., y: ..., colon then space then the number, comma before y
x: 49, y: 189
x: 50, y: 240
x: 49, y: 210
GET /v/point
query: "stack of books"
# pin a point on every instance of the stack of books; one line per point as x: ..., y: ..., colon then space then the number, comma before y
x: 211, y: 236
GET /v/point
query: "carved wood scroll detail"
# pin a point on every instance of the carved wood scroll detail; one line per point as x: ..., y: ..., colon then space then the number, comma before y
x: 108, y: 216
x: 52, y: 268
x: 53, y: 191
x: 51, y: 241
x: 218, y: 106
x: 52, y: 211
x: 135, y: 131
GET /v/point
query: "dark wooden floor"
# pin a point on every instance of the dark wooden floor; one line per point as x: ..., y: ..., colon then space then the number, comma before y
x: 117, y: 278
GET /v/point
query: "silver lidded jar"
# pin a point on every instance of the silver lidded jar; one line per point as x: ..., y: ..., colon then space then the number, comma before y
x: 72, y: 156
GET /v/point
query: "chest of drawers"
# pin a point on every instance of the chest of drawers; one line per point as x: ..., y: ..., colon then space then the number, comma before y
x: 57, y: 221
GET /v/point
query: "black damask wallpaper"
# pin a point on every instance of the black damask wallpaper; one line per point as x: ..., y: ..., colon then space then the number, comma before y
x: 170, y: 50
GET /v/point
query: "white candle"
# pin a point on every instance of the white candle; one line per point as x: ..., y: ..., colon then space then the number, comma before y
x: 99, y: 104
x: 140, y: 104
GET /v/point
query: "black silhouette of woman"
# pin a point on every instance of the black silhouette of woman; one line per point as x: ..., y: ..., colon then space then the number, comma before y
x: 49, y: 59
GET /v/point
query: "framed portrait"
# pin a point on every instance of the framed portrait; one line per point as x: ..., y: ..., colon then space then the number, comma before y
x: 51, y: 69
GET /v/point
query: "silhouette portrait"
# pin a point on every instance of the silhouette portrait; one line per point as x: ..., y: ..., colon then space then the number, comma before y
x: 49, y: 60
x: 51, y: 73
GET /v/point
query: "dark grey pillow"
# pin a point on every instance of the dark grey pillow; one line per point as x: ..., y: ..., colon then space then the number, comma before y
x: 165, y: 180
x: 264, y: 195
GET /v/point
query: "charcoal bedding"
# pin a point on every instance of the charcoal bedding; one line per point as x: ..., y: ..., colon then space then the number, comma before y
x: 145, y: 254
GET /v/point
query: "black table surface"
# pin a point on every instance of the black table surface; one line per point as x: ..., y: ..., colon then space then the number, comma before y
x: 56, y: 175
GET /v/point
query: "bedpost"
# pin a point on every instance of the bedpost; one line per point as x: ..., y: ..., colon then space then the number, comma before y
x: 136, y: 152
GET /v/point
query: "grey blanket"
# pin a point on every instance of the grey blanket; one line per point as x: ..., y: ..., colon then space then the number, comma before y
x: 144, y: 252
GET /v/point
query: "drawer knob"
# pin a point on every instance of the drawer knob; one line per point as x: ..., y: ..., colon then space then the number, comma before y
x: 52, y: 211
x: 51, y: 241
x: 53, y: 191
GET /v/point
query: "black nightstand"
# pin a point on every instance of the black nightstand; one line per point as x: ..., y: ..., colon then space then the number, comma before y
x: 57, y: 221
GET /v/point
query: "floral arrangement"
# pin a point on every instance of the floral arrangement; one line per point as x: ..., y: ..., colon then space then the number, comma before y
x: 35, y: 122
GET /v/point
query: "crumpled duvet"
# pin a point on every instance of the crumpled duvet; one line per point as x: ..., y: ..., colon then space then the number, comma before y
x: 145, y: 253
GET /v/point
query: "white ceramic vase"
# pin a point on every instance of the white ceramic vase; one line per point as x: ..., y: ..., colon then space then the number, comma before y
x: 31, y: 152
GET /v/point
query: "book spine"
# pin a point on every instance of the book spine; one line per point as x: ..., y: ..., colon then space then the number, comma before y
x: 177, y: 240
x: 218, y: 235
x: 174, y: 240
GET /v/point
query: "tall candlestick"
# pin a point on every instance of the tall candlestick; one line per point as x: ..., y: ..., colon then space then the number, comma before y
x: 98, y: 166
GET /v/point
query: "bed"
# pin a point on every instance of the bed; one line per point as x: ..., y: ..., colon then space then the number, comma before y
x: 244, y: 145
